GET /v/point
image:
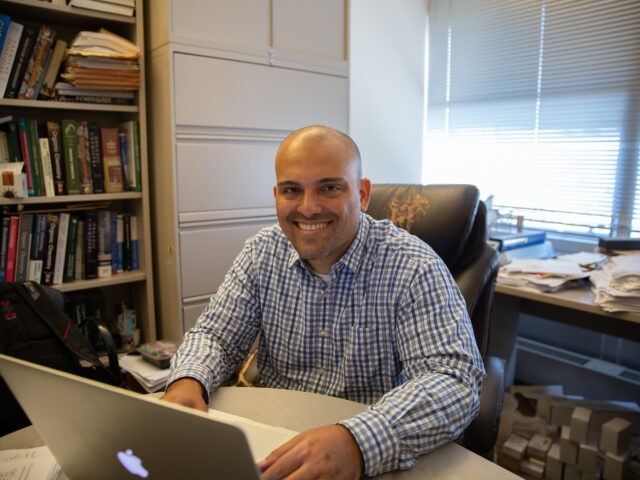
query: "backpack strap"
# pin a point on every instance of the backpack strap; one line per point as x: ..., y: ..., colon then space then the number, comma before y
x: 62, y: 326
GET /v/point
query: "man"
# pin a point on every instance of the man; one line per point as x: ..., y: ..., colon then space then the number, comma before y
x: 346, y: 306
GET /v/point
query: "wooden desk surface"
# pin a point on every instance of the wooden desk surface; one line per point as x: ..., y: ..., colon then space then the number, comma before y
x: 561, y: 306
x: 300, y: 411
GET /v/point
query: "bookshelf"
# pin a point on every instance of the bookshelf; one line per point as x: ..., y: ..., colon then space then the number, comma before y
x: 134, y: 287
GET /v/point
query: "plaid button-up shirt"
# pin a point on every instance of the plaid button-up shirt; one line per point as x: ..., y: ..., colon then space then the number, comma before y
x: 390, y: 329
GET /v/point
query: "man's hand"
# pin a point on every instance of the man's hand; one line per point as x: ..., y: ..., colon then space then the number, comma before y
x: 186, y: 392
x: 328, y: 452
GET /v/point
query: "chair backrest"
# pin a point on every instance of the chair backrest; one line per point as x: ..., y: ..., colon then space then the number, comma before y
x: 453, y: 221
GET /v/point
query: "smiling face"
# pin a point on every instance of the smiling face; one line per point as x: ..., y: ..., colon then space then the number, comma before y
x: 319, y: 194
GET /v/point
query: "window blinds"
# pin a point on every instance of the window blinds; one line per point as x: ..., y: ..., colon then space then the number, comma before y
x: 538, y: 102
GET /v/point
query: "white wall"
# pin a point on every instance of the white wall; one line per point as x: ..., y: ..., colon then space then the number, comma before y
x: 386, y: 87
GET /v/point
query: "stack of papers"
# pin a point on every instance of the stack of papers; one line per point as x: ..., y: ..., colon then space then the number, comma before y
x: 150, y: 377
x: 28, y: 464
x: 545, y: 275
x: 617, y: 285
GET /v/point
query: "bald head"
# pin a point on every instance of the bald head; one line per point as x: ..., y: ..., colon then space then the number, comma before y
x: 316, y: 137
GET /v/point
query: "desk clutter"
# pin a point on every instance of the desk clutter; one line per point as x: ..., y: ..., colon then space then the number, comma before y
x: 36, y: 463
x: 545, y: 434
x: 150, y: 366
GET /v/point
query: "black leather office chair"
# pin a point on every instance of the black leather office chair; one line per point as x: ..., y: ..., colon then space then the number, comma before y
x: 453, y: 220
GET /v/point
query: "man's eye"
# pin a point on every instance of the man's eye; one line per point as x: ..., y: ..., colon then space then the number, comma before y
x: 288, y: 190
x: 331, y: 188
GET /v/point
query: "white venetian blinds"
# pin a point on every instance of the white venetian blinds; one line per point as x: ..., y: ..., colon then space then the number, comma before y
x: 538, y: 103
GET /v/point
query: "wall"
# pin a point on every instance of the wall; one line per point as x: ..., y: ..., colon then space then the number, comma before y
x: 386, y: 87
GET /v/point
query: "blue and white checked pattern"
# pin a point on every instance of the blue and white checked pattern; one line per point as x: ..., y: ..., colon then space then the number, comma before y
x: 390, y: 330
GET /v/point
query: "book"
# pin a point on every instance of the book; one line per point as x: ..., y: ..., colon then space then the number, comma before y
x: 36, y: 258
x: 5, y: 22
x: 50, y: 244
x: 103, y: 44
x: 84, y: 161
x: 23, y: 54
x: 32, y: 80
x: 4, y: 240
x: 90, y: 244
x: 47, y: 90
x: 46, y: 161
x: 619, y: 243
x: 122, y: 142
x: 4, y: 147
x: 12, y: 243
x: 25, y: 150
x: 61, y: 248
x: 70, y: 256
x: 95, y: 154
x: 70, y: 155
x: 80, y: 244
x: 104, y: 243
x: 506, y: 239
x: 36, y: 162
x: 118, y: 243
x: 133, y: 242
x: 56, y: 149
x: 13, y: 141
x: 111, y: 162
x: 23, y: 247
x: 133, y: 172
x: 9, y: 51
x: 101, y: 6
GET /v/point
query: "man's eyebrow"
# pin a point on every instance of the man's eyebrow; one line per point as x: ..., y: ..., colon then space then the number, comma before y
x: 319, y: 182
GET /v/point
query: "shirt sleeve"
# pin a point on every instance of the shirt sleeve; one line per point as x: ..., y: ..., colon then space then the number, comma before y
x: 225, y: 331
x: 442, y: 372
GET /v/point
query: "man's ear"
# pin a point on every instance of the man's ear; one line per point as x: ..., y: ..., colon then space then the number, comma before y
x: 365, y: 194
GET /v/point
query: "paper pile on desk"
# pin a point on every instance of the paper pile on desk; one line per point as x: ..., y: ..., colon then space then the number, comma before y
x: 28, y: 464
x: 546, y: 275
x: 617, y: 285
x: 150, y: 377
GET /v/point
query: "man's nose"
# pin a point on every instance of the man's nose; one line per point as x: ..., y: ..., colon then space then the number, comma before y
x: 309, y: 205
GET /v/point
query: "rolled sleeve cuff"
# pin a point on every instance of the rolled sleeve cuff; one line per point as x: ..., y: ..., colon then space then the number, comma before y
x: 197, y: 372
x: 378, y: 444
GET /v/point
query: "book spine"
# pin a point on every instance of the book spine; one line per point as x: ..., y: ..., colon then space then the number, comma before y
x: 90, y: 244
x: 12, y: 243
x: 25, y: 228
x: 4, y: 241
x: 47, y: 91
x: 71, y: 166
x: 111, y: 162
x: 47, y: 168
x: 84, y: 162
x: 23, y: 135
x: 70, y: 257
x: 95, y: 155
x: 8, y: 55
x: 57, y: 156
x: 34, y: 153
x: 61, y: 248
x: 124, y: 159
x: 27, y: 42
x: 80, y: 246
x: 104, y: 243
x: 5, y: 22
x: 13, y: 140
x: 133, y: 242
x: 520, y: 241
x: 37, y: 247
x: 51, y: 242
x: 37, y: 63
x: 118, y: 251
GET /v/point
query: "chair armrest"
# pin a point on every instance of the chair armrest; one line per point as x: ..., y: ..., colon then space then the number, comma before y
x: 482, y: 433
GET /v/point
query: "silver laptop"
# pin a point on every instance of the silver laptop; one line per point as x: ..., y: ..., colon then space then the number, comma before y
x: 97, y: 431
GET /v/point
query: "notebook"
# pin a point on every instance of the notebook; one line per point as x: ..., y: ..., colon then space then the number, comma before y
x: 97, y: 431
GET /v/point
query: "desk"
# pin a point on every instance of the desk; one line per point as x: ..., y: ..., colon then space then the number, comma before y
x: 574, y: 306
x: 300, y: 411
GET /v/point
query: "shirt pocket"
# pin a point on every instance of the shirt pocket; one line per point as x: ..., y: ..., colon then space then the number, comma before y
x: 369, y: 363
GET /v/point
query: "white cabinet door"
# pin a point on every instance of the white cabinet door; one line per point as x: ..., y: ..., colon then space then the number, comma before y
x: 233, y: 26
x: 237, y: 95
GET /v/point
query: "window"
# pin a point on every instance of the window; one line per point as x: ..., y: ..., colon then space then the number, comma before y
x: 538, y: 103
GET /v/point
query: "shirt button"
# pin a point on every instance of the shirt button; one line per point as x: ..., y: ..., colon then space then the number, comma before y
x: 325, y: 293
x: 323, y: 333
x: 320, y: 371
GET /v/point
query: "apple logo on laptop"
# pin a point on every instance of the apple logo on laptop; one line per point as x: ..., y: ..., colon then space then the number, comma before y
x: 132, y: 463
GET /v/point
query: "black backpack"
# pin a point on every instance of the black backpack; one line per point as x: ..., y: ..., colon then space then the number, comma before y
x: 34, y: 327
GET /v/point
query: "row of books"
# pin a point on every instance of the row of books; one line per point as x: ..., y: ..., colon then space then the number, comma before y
x: 59, y: 246
x: 68, y: 157
x: 36, y: 64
